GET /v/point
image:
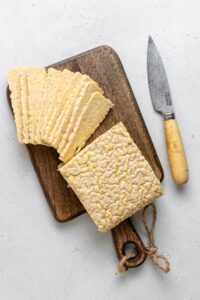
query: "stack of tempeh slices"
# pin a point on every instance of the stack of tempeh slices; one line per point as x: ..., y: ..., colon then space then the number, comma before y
x: 60, y: 109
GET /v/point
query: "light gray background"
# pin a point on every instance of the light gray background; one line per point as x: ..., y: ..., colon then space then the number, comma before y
x: 41, y: 259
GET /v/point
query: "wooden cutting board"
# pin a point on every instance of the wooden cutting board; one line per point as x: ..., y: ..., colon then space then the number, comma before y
x: 104, y: 66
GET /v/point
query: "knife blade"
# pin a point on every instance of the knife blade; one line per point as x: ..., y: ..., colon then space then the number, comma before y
x: 162, y: 103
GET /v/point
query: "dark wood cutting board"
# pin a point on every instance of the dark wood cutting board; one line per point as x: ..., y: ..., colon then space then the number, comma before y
x: 104, y: 66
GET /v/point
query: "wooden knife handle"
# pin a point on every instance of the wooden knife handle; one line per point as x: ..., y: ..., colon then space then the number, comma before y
x: 176, y: 152
x: 125, y: 235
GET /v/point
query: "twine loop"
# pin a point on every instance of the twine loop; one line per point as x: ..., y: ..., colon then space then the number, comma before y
x: 160, y: 260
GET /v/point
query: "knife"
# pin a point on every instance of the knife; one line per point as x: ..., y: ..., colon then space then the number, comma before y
x: 162, y: 103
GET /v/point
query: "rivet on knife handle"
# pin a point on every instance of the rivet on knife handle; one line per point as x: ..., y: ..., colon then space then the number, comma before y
x: 175, y: 149
x: 162, y: 103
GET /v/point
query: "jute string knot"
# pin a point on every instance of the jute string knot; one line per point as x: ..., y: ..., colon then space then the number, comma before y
x: 121, y: 267
x: 160, y: 260
x: 151, y: 251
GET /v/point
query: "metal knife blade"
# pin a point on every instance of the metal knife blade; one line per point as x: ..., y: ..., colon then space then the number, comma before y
x: 158, y: 83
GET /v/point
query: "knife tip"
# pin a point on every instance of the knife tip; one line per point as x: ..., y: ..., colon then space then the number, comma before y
x: 150, y: 40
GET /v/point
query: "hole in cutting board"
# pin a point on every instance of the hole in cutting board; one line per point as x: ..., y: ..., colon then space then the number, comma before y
x: 131, y: 248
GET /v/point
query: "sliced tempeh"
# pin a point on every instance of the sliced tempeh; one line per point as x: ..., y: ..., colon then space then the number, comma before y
x: 78, y: 107
x: 89, y: 119
x: 36, y: 82
x: 63, y: 102
x: 51, y: 88
x: 15, y: 89
x: 63, y: 120
x: 63, y: 85
x: 24, y: 104
x: 54, y: 107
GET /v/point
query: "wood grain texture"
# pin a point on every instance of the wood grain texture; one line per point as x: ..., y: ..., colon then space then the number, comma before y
x: 104, y: 66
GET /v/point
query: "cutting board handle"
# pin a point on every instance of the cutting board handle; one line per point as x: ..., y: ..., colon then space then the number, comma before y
x: 125, y: 236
